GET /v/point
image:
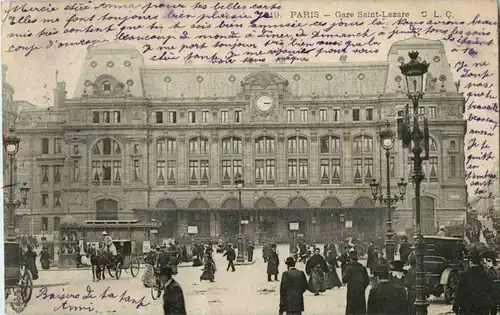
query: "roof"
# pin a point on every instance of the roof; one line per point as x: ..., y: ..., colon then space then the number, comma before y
x: 113, y: 48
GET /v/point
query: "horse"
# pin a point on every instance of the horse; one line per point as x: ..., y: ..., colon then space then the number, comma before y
x: 97, y: 263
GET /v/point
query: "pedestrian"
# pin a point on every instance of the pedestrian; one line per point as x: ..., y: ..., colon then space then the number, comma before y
x: 209, y: 267
x: 410, y: 284
x: 372, y: 257
x: 344, y: 260
x: 404, y: 249
x: 173, y: 297
x: 292, y: 288
x: 231, y: 256
x: 148, y: 275
x: 387, y: 298
x: 316, y: 269
x: 45, y: 258
x: 265, y: 251
x: 356, y: 278
x: 332, y: 279
x: 441, y: 232
x: 474, y: 289
x: 489, y: 266
x: 250, y: 249
x: 30, y: 261
x: 273, y: 262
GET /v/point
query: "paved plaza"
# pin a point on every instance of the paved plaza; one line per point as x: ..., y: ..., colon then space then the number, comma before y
x: 245, y: 291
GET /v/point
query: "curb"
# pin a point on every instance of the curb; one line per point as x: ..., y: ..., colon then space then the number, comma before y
x: 89, y: 268
x: 50, y: 285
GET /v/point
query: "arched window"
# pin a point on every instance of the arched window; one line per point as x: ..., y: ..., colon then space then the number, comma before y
x: 430, y: 168
x: 330, y: 152
x: 199, y: 161
x: 298, y: 163
x: 362, y: 153
x: 106, y: 162
x: 265, y: 160
x: 232, y: 159
x: 166, y: 161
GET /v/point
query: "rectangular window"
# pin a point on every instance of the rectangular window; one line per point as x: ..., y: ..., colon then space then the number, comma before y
x: 172, y: 117
x: 192, y: 117
x: 259, y: 172
x: 45, y: 200
x: 392, y: 167
x: 193, y: 172
x: 76, y: 150
x: 357, y: 144
x: 453, y: 145
x: 238, y: 116
x: 57, y: 174
x: 303, y: 148
x: 369, y: 114
x: 224, y: 116
x: 116, y: 117
x: 45, y: 223
x: 290, y: 115
x: 355, y: 114
x: 325, y: 171
x: 336, y: 172
x: 76, y: 170
x: 205, y: 116
x: 45, y: 174
x: 432, y: 112
x: 226, y: 172
x: 368, y: 144
x: 105, y: 117
x: 324, y: 145
x: 171, y: 147
x: 336, y: 114
x: 421, y: 110
x: 237, y: 168
x: 269, y: 146
x: 303, y: 115
x: 57, y: 199
x: 136, y: 170
x: 204, y: 172
x: 292, y: 145
x: 57, y: 223
x: 57, y: 146
x: 96, y: 171
x: 433, y: 173
x: 323, y: 115
x: 292, y: 171
x: 226, y: 146
x: 368, y: 170
x: 303, y: 171
x: 335, y: 145
x: 237, y: 146
x: 136, y: 148
x: 171, y: 172
x: 106, y: 171
x: 453, y: 166
x: 160, y: 147
x: 159, y: 117
x: 270, y: 171
x: 358, y: 165
x: 95, y: 117
x: 160, y: 172
x: 45, y: 145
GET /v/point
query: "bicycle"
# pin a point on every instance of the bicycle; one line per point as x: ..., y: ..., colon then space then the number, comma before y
x: 157, y: 285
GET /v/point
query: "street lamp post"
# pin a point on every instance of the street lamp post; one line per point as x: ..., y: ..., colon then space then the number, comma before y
x: 313, y: 221
x: 342, y: 222
x: 11, y: 143
x: 387, y: 143
x: 412, y: 138
x: 240, y: 184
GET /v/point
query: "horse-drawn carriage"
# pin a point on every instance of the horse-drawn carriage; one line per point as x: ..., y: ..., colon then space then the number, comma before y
x: 124, y: 260
x: 14, y: 275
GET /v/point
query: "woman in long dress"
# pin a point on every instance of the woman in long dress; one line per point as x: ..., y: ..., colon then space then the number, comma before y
x: 209, y: 268
x: 316, y: 268
x: 148, y: 275
x: 332, y: 279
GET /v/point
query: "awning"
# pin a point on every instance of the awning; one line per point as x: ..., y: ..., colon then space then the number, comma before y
x: 332, y: 210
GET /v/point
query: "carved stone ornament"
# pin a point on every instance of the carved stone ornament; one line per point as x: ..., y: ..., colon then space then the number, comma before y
x: 281, y: 137
x: 451, y: 110
x: 347, y: 136
x: 136, y: 114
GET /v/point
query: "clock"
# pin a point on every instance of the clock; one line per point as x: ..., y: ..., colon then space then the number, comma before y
x: 264, y: 103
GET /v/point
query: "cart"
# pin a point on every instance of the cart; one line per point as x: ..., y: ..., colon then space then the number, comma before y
x: 15, y: 275
x: 125, y: 260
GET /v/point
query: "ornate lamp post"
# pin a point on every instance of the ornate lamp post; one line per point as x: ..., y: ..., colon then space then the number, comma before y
x: 240, y: 184
x: 313, y: 221
x: 11, y: 144
x: 153, y: 231
x: 342, y: 222
x: 387, y: 143
x: 418, y: 142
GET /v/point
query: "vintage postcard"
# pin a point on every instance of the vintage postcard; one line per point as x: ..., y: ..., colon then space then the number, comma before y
x: 250, y: 158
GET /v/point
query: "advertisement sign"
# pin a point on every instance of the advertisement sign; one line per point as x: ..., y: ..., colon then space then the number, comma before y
x: 294, y: 226
x: 192, y: 229
x: 146, y: 246
x: 348, y: 224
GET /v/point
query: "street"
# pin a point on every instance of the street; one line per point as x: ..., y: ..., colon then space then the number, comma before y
x: 245, y: 291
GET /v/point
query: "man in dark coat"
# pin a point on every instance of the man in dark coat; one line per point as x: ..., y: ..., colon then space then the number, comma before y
x: 372, y: 257
x: 292, y: 288
x: 250, y: 249
x: 387, y: 298
x: 231, y: 256
x: 474, y: 289
x: 173, y: 297
x: 273, y: 262
x: 344, y: 260
x: 356, y: 278
x: 265, y: 251
x: 30, y: 261
x: 317, y: 268
x: 404, y: 249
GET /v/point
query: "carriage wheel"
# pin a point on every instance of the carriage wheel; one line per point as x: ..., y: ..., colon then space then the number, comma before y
x: 111, y: 271
x: 451, y: 287
x: 26, y: 286
x: 134, y: 267
x: 118, y: 271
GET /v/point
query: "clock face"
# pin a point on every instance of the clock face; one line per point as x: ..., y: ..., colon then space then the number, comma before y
x: 264, y: 103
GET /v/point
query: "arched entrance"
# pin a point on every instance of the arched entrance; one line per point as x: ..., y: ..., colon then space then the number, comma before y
x: 427, y: 215
x: 106, y: 209
x: 230, y: 217
x: 298, y: 212
x: 365, y: 218
x: 166, y: 215
x: 267, y: 218
x: 200, y: 217
x: 328, y: 220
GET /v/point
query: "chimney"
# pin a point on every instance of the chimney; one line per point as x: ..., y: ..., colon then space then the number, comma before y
x: 343, y: 58
x: 60, y: 94
x: 4, y: 72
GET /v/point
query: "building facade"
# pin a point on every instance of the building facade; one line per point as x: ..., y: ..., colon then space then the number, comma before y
x: 141, y: 142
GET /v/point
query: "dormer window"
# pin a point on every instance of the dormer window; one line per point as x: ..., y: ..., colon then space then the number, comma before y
x: 106, y: 87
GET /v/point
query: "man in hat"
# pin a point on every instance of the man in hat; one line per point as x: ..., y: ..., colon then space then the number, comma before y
x: 163, y: 257
x: 273, y: 262
x: 356, y: 278
x: 250, y: 249
x: 173, y: 297
x: 231, y: 256
x: 292, y: 288
x: 442, y: 232
x: 387, y: 298
x: 474, y: 289
x: 404, y: 249
x: 109, y: 247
